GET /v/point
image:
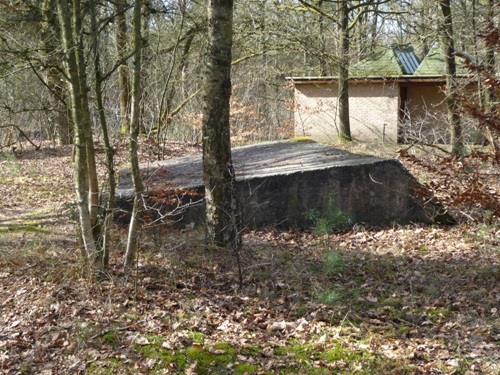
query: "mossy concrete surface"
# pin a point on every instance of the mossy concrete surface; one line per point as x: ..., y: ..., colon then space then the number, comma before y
x: 281, y: 183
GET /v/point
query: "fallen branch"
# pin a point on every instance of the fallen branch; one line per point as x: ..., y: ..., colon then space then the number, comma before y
x: 422, y: 145
x: 37, y: 147
x: 7, y: 146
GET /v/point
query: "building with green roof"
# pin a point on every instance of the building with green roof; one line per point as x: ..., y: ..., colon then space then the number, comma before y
x: 393, y: 97
x: 434, y: 64
x: 387, y: 62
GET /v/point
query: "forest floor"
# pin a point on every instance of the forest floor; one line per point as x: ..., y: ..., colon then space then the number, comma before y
x: 409, y: 299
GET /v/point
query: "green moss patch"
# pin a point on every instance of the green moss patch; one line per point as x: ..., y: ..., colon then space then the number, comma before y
x: 302, y: 139
x: 110, y: 367
x: 23, y: 228
x: 337, y: 360
x: 245, y: 368
x: 215, y: 359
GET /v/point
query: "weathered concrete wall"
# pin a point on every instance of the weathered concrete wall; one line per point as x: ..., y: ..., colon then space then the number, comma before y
x: 374, y: 108
x: 279, y: 184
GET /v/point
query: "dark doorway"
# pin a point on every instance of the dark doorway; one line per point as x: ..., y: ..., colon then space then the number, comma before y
x: 403, y: 115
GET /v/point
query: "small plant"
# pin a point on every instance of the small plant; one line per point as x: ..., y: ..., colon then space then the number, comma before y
x: 197, y: 337
x: 332, y: 297
x: 339, y: 295
x: 330, y: 219
x: 109, y: 367
x: 334, y: 262
x: 11, y: 167
x: 245, y: 368
x: 111, y: 338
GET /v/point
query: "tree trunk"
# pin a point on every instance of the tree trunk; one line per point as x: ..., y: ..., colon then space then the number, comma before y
x: 218, y: 174
x: 263, y: 94
x: 123, y: 73
x: 168, y: 91
x: 55, y: 83
x: 166, y: 115
x: 476, y: 52
x: 323, y: 65
x: 67, y: 22
x: 86, y: 121
x: 136, y: 219
x: 490, y: 55
x: 448, y: 46
x: 374, y: 29
x: 146, y: 60
x: 110, y: 205
x: 490, y: 99
x: 343, y: 84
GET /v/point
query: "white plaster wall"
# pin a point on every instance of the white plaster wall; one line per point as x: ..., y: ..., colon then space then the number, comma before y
x: 373, y: 108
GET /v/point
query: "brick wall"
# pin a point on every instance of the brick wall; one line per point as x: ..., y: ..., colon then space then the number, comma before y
x: 374, y: 108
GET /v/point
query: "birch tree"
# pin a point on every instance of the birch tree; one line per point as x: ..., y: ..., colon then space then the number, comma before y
x: 136, y: 219
x: 123, y: 72
x: 70, y: 21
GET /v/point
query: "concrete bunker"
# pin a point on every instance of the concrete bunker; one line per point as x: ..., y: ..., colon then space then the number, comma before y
x: 280, y: 184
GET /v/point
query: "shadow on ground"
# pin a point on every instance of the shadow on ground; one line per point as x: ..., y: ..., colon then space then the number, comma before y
x: 410, y: 300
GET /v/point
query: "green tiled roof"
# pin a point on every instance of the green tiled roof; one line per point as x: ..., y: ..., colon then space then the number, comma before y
x: 397, y: 61
x: 434, y: 64
x: 387, y: 62
x: 383, y: 62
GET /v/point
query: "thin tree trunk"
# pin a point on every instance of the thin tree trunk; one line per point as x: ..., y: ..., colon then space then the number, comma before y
x: 167, y: 116
x: 146, y: 59
x: 86, y: 121
x: 136, y: 219
x: 490, y: 55
x: 264, y: 106
x: 359, y: 32
x: 476, y: 54
x: 67, y: 22
x: 51, y: 42
x: 169, y: 91
x: 374, y: 29
x: 343, y: 83
x: 108, y: 217
x: 323, y: 65
x: 490, y: 99
x: 123, y: 72
x: 218, y: 174
x: 448, y: 46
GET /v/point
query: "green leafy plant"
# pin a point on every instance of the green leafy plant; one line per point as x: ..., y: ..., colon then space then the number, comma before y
x: 111, y: 338
x: 330, y: 219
